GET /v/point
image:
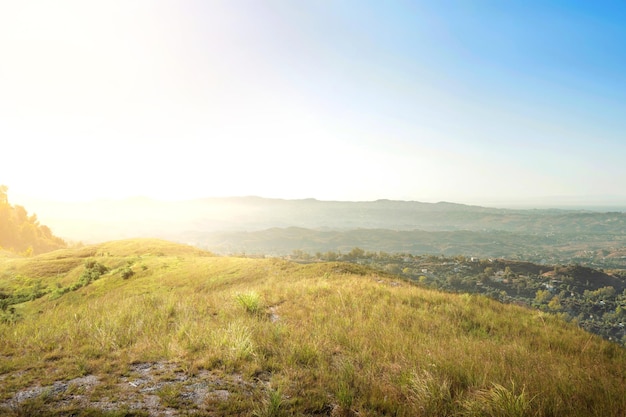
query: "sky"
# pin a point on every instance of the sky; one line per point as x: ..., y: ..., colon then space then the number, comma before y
x: 481, y: 102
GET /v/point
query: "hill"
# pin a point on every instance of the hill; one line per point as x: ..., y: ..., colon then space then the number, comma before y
x: 145, y: 327
x: 594, y: 299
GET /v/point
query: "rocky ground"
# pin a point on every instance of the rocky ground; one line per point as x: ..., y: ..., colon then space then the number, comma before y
x: 157, y: 389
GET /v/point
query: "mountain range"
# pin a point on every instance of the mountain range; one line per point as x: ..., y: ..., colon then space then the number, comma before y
x: 258, y: 225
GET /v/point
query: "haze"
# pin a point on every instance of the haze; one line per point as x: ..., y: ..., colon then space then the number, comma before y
x: 472, y: 102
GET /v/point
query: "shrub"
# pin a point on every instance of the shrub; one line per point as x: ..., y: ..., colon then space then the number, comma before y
x: 93, y: 271
x: 9, y: 316
x: 127, y: 273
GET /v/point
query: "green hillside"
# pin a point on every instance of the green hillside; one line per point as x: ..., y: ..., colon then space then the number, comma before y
x: 148, y: 327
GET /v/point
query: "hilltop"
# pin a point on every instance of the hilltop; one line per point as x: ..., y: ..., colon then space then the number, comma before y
x: 149, y: 327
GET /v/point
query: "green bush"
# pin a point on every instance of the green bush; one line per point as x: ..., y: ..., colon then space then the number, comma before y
x: 127, y: 273
x: 93, y: 271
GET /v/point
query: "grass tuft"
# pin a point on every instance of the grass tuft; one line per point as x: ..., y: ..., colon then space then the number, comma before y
x: 236, y: 341
x: 498, y: 401
x: 272, y: 406
x: 430, y: 394
x: 250, y: 301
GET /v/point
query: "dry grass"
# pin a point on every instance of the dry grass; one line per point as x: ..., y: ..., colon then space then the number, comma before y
x: 327, y: 338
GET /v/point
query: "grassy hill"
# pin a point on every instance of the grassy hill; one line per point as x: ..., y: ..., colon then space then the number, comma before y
x: 147, y: 327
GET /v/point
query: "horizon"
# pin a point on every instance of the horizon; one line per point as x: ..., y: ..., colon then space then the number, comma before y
x: 476, y: 104
x: 538, y: 203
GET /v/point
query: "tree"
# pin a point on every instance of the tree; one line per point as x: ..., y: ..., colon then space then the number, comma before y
x: 355, y: 253
x: 543, y: 296
x: 555, y: 303
x: 485, y: 278
x: 22, y: 233
x: 4, y: 199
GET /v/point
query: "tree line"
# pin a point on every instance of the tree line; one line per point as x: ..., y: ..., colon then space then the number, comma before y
x: 22, y: 233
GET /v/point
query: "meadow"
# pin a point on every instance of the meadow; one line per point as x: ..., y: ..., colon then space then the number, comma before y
x: 166, y: 329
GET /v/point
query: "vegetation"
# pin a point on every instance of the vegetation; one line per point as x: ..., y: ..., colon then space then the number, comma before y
x: 593, y: 299
x: 194, y: 334
x: 593, y: 249
x: 21, y: 233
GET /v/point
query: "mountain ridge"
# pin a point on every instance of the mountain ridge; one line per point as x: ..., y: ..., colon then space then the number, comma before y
x: 235, y: 223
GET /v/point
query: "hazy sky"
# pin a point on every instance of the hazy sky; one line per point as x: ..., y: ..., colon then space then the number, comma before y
x: 464, y: 101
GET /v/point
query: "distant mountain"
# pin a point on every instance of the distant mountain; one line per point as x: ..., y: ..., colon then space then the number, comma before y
x: 256, y: 213
x: 256, y: 224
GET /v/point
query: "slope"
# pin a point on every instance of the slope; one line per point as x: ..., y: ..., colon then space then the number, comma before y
x: 187, y: 333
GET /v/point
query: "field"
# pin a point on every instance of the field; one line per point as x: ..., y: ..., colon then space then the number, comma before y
x: 147, y: 327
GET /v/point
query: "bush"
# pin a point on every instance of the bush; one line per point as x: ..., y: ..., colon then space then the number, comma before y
x: 93, y: 271
x: 127, y: 273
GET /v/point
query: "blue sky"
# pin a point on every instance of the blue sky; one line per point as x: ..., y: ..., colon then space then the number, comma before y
x: 482, y: 102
